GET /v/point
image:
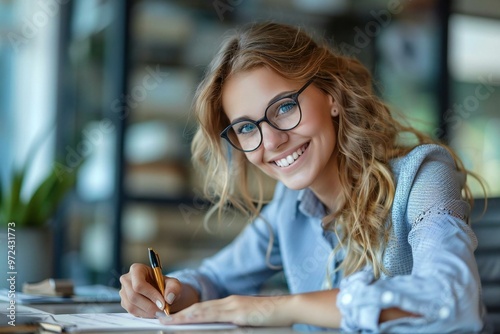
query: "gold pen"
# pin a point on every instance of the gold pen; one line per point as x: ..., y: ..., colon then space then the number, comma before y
x: 154, y: 259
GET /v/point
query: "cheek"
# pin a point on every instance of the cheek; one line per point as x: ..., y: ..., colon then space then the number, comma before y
x: 318, y: 124
x: 254, y: 157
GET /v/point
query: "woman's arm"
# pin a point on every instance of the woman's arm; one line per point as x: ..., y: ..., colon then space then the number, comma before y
x: 314, y: 308
x: 244, y: 265
x: 319, y: 309
x: 443, y: 287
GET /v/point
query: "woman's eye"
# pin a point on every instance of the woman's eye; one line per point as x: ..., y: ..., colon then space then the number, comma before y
x: 286, y: 107
x: 245, y: 128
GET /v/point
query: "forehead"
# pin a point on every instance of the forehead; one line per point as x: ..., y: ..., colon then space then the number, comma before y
x: 247, y: 94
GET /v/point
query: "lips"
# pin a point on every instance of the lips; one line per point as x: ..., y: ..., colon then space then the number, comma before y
x: 290, y: 159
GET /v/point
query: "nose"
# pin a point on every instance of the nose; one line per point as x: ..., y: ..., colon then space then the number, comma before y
x: 271, y: 137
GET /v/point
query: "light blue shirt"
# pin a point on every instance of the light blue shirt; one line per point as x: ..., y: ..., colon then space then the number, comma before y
x: 430, y: 260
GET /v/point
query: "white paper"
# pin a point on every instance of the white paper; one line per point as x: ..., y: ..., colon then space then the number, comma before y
x: 109, y: 322
x: 20, y: 315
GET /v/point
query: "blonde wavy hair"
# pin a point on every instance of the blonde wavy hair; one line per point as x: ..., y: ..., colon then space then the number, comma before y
x: 368, y: 137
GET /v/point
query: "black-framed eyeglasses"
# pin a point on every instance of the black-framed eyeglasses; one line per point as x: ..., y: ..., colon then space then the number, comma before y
x: 282, y: 113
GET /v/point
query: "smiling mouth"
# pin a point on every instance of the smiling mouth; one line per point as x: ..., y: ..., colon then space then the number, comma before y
x: 290, y: 159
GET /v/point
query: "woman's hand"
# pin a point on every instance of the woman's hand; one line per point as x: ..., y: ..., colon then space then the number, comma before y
x: 140, y: 296
x: 240, y: 310
x: 315, y: 308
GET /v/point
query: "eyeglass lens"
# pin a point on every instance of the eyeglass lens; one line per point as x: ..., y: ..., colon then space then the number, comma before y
x: 283, y: 114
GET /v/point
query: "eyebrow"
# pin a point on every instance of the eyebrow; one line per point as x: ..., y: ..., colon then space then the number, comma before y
x: 275, y: 98
x: 280, y: 96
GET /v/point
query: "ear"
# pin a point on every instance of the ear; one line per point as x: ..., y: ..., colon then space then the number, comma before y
x: 334, y: 107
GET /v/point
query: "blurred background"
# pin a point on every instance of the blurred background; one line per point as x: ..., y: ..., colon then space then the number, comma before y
x: 102, y: 89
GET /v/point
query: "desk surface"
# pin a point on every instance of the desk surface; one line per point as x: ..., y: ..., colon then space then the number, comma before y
x: 240, y: 330
x: 79, y: 308
x: 116, y: 308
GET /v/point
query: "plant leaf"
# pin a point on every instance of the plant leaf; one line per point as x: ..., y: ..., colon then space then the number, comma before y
x: 3, y: 205
x: 55, y: 198
x: 39, y: 196
x: 15, y: 206
x: 47, y: 197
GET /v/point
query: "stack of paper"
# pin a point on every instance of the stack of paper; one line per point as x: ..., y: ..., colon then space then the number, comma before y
x: 50, y: 287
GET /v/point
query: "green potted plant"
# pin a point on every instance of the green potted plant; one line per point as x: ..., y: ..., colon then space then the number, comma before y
x: 38, y: 209
x: 26, y: 235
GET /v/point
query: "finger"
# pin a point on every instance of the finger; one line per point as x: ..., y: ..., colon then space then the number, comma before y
x: 134, y: 305
x: 173, y: 289
x: 223, y: 304
x: 144, y: 283
x: 201, y: 312
x: 131, y: 301
x: 140, y: 292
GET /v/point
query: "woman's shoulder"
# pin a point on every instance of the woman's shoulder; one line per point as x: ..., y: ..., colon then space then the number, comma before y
x: 427, y: 175
x: 427, y: 168
x: 426, y: 154
x: 428, y: 178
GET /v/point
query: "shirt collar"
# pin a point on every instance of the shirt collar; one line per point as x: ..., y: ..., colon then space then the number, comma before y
x: 309, y: 204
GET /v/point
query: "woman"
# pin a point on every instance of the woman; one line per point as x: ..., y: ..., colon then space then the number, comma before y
x: 371, y: 231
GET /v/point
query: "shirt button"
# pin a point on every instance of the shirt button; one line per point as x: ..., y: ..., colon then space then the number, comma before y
x: 346, y: 299
x: 444, y: 312
x: 387, y: 297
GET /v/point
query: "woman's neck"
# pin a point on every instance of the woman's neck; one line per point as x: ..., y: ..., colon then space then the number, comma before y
x: 328, y: 190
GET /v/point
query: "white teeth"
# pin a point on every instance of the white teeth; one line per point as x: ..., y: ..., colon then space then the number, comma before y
x: 287, y: 161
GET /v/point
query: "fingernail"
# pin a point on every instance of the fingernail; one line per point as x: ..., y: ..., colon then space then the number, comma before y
x: 163, y: 317
x: 159, y: 304
x: 170, y: 298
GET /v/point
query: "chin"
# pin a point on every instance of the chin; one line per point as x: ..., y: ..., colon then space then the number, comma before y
x: 295, y: 185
